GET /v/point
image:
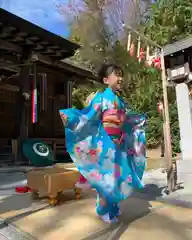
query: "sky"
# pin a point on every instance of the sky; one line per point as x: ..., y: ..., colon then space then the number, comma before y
x: 40, y: 12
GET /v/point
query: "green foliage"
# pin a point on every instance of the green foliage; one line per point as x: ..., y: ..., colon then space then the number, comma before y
x: 142, y: 90
x: 82, y: 91
x: 167, y: 21
x: 79, y: 97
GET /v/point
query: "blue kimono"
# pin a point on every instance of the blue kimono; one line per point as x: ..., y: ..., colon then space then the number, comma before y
x: 106, y: 141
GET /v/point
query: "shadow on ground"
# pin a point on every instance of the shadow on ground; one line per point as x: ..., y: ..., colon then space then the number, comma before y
x: 151, y: 227
x: 132, y: 209
x: 152, y: 192
x: 17, y: 206
x: 70, y: 212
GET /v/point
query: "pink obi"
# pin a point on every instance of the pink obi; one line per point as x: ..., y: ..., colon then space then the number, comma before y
x: 114, y: 116
x: 112, y: 130
x: 112, y: 120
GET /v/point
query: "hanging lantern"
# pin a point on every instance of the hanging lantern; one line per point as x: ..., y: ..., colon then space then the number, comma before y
x: 157, y: 62
x: 147, y: 56
x: 129, y: 42
x: 34, y: 101
x: 34, y: 95
x: 132, y: 49
x: 141, y: 55
x: 138, y: 49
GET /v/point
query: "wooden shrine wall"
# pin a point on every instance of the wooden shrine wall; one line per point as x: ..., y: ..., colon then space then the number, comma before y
x: 7, y: 112
x: 49, y: 124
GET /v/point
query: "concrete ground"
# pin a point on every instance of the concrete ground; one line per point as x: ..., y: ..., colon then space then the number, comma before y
x: 147, y: 215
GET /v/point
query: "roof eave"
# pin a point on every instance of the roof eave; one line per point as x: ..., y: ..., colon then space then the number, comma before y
x: 26, y: 26
x: 177, y: 46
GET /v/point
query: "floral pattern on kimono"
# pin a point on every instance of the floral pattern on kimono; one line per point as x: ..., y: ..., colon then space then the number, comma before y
x: 113, y: 169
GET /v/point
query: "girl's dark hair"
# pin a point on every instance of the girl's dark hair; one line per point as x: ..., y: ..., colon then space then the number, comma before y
x: 107, y: 69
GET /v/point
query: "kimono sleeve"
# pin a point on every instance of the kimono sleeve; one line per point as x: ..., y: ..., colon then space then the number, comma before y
x: 135, y: 119
x: 78, y: 120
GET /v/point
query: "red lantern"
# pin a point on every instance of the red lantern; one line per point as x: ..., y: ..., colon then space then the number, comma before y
x: 157, y: 62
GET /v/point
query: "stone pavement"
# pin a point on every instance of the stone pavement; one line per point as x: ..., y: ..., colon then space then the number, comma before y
x: 9, y: 233
x: 141, y: 219
x: 146, y: 215
x: 155, y: 183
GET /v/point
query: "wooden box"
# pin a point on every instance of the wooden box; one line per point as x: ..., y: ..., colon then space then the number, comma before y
x: 53, y: 181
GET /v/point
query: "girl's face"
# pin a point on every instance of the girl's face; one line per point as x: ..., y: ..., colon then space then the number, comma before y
x: 114, y: 81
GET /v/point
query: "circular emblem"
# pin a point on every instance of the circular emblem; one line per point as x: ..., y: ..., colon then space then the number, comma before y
x: 41, y: 149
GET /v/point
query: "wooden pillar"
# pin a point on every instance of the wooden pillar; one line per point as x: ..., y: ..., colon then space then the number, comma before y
x: 14, y: 144
x: 69, y: 93
x: 53, y: 117
x: 21, y: 120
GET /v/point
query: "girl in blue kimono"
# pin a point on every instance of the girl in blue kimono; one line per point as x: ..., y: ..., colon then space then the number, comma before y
x: 106, y: 141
